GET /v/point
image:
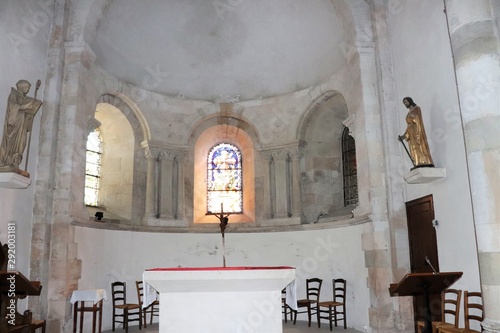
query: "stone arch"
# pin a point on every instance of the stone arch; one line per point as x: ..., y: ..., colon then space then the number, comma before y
x: 209, y: 138
x: 204, y: 135
x: 229, y: 120
x: 338, y: 103
x: 131, y: 111
x: 132, y: 161
x: 320, y: 130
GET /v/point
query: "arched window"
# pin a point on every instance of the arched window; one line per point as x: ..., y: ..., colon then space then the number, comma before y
x: 349, y: 169
x: 93, y: 168
x: 224, y: 179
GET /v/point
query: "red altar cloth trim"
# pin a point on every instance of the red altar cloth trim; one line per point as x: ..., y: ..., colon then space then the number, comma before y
x: 236, y: 268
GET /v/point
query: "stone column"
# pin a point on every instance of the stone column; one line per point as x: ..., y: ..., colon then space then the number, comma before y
x: 385, y: 243
x: 53, y: 260
x: 179, y: 200
x: 266, y: 201
x: 473, y: 28
x: 280, y: 158
x: 167, y: 160
x: 386, y: 314
x: 295, y: 155
x: 151, y: 190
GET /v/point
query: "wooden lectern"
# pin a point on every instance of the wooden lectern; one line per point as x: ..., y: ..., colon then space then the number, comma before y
x: 424, y: 284
x: 14, y: 285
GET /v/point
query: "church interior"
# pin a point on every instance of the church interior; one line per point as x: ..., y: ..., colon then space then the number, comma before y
x: 287, y: 120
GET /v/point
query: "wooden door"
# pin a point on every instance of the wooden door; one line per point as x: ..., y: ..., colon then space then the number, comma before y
x: 423, y: 244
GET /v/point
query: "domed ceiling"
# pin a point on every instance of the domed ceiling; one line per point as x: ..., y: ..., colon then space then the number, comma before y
x: 225, y: 50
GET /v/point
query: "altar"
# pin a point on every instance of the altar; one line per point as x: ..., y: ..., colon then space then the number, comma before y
x: 220, y: 299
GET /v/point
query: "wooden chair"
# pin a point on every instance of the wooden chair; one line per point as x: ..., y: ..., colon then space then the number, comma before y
x: 331, y: 311
x: 450, y: 305
x: 36, y: 324
x: 153, y: 308
x: 473, y: 311
x: 124, y: 312
x: 313, y: 289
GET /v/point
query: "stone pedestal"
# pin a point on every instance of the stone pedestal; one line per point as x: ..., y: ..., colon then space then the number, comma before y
x: 424, y: 175
x: 14, y: 180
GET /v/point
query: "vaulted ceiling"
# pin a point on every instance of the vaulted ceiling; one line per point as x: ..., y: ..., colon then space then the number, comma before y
x: 224, y: 50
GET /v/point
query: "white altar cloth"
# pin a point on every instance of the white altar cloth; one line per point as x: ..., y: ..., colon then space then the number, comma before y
x: 149, y: 294
x: 220, y: 299
x: 291, y: 296
x: 91, y: 295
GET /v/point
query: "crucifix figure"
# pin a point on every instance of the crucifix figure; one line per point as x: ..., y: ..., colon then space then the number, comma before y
x: 224, y: 220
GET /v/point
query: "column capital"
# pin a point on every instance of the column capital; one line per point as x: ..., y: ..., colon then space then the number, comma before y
x: 349, y: 122
x: 266, y: 156
x: 180, y: 155
x: 293, y: 150
x: 92, y: 124
x: 167, y: 155
x: 296, y: 152
x: 280, y: 155
x: 151, y: 152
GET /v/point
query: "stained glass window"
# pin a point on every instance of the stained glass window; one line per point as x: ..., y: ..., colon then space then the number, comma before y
x: 224, y: 179
x: 93, y: 168
x: 349, y: 169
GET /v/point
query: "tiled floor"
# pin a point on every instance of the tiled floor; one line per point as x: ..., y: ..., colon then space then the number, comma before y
x: 300, y: 327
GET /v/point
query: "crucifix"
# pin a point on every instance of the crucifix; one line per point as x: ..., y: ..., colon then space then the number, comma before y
x: 224, y: 220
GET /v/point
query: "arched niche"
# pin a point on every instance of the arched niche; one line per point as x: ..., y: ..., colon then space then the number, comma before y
x: 117, y: 167
x: 123, y: 188
x: 206, y: 140
x: 321, y: 131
